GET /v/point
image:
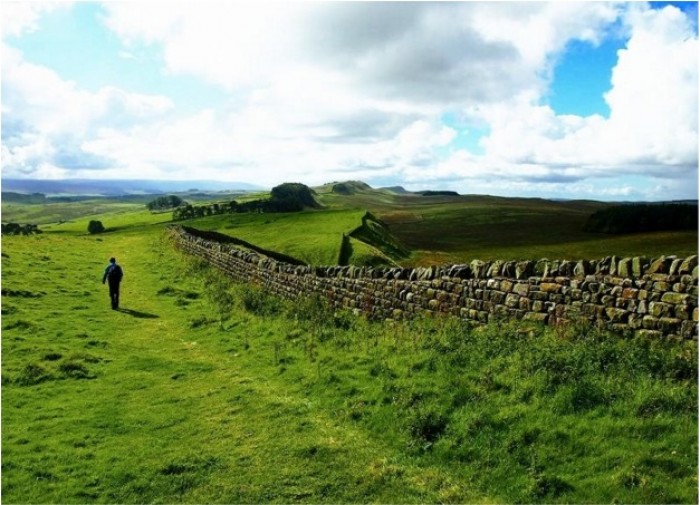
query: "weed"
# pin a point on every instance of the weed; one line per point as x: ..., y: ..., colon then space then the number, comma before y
x: 32, y: 374
x: 258, y: 302
x: 20, y: 324
x: 75, y: 370
x: 427, y: 424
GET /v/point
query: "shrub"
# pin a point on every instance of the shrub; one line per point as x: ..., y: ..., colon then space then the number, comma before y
x: 258, y: 302
x: 95, y: 227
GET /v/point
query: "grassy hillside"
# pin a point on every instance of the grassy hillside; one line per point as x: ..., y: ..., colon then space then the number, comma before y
x: 435, y: 229
x: 311, y: 236
x: 457, y: 229
x: 291, y: 403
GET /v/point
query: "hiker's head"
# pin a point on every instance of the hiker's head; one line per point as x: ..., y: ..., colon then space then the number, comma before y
x: 112, y: 260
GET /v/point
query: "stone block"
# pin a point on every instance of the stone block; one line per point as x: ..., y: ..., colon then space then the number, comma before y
x: 478, y: 268
x: 512, y: 300
x: 540, y: 296
x: 616, y: 315
x: 550, y: 287
x: 681, y: 311
x: 659, y: 309
x: 689, y: 329
x: 634, y: 321
x: 497, y: 297
x: 678, y: 287
x: 650, y: 334
x: 669, y: 325
x: 524, y: 304
x: 521, y: 288
x: 675, y: 266
x: 582, y: 268
x: 434, y: 305
x: 639, y: 264
x: 674, y: 298
x: 524, y: 269
x: 624, y: 267
x: 688, y: 265
x: 629, y: 293
x: 650, y: 322
x: 659, y: 266
x: 540, y: 317
x: 661, y: 286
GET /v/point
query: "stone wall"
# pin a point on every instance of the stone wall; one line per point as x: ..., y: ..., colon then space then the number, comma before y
x: 656, y: 297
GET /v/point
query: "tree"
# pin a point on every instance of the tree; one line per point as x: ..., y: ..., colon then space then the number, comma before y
x: 95, y: 227
x: 165, y: 202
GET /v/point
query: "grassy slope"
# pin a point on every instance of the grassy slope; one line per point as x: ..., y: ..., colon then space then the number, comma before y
x: 156, y: 404
x: 312, y: 236
x: 459, y: 229
x: 138, y: 406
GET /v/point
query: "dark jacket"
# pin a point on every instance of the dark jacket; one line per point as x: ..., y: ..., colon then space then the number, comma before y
x: 113, y: 273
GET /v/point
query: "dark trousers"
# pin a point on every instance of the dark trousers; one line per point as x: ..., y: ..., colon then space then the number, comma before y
x: 114, y: 294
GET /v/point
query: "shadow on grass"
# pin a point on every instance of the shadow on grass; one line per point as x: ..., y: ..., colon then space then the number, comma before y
x: 140, y: 315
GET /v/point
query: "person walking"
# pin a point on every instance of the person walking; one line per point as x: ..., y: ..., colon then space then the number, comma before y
x: 113, y: 275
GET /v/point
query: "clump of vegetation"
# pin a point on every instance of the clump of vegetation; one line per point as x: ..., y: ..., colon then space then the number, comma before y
x: 95, y: 227
x: 165, y: 203
x: 217, y: 289
x: 287, y: 197
x: 19, y: 229
x: 637, y: 218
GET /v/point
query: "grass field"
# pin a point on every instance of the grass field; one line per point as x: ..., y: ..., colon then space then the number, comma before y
x: 311, y: 236
x: 436, y: 230
x: 291, y: 403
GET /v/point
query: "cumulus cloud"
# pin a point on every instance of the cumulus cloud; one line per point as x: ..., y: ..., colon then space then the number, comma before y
x: 320, y: 91
x: 46, y: 118
x: 652, y: 128
x: 22, y: 17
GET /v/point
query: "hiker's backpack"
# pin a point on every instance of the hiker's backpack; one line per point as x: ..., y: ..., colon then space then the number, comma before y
x: 115, y: 273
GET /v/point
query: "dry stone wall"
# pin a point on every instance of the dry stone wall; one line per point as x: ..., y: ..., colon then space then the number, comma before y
x: 658, y: 297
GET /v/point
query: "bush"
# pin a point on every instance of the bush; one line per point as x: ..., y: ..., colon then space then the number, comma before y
x: 256, y: 301
x: 165, y: 202
x: 95, y: 227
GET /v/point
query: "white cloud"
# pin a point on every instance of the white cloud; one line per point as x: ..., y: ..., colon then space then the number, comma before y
x: 45, y: 118
x: 321, y: 91
x: 652, y: 128
x: 22, y: 17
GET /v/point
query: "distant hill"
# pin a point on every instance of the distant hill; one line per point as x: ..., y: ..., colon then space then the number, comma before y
x: 8, y: 196
x: 350, y: 187
x: 399, y: 190
x: 117, y: 187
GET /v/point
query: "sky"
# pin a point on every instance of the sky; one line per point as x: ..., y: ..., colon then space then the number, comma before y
x: 592, y: 100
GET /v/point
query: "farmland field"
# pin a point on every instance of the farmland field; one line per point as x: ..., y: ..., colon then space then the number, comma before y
x: 179, y: 397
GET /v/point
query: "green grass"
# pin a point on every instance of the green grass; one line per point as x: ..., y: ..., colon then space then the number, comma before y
x: 64, y: 211
x: 459, y: 229
x: 311, y: 236
x: 291, y: 403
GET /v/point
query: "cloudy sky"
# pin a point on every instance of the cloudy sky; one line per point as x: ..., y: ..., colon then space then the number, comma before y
x: 553, y: 99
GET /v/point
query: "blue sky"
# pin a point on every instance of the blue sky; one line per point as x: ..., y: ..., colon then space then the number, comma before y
x: 560, y: 100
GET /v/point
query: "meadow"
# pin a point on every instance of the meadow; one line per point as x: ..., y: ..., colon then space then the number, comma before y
x: 202, y: 391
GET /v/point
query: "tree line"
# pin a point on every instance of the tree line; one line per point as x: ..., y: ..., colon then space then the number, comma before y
x: 637, y: 218
x: 19, y: 229
x: 287, y: 197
